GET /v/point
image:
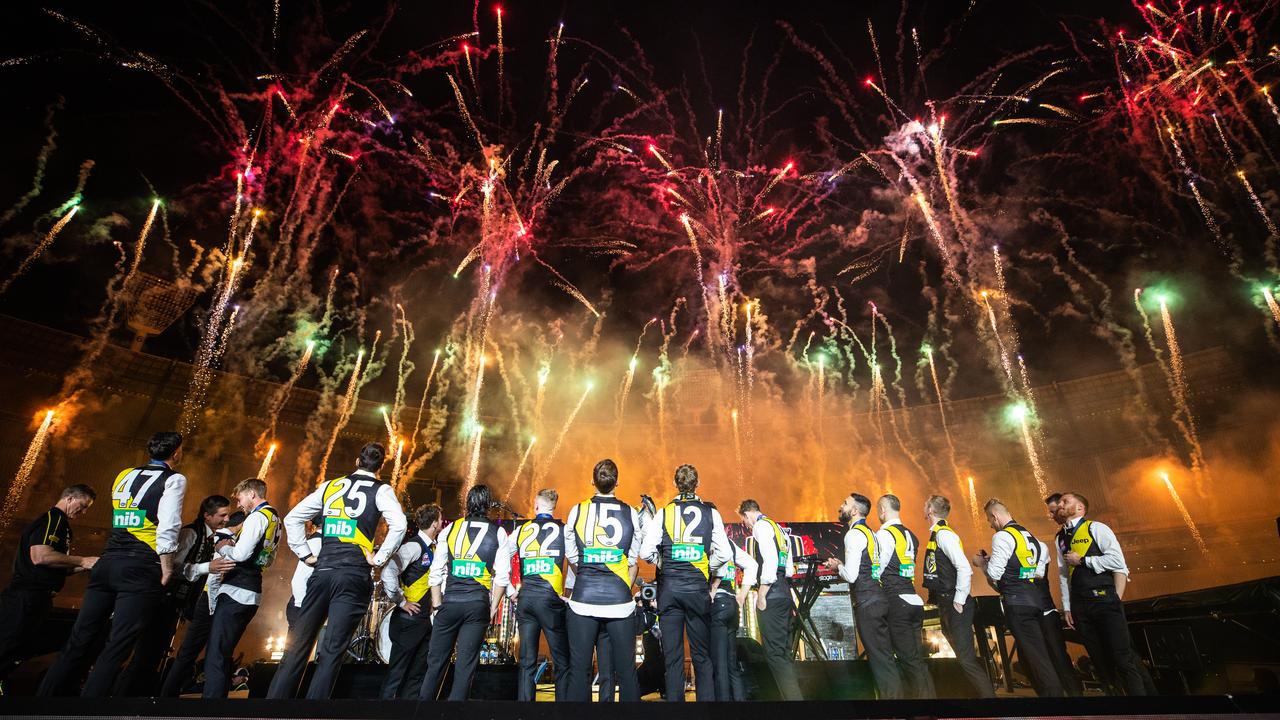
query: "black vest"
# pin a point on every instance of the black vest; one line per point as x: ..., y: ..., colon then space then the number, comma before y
x: 415, y: 579
x: 867, y: 589
x: 1083, y: 581
x: 135, y: 505
x: 471, y: 547
x: 247, y: 574
x: 604, y: 532
x: 685, y: 547
x: 186, y: 593
x: 540, y: 550
x: 351, y: 518
x: 939, y: 571
x: 898, y: 575
x: 1018, y: 585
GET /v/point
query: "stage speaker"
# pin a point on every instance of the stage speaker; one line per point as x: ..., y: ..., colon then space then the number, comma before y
x: 355, y: 681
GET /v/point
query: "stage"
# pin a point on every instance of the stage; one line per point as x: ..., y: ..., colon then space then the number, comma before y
x: 1165, y: 707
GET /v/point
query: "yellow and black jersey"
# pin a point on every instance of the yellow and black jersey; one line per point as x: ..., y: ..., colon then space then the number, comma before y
x: 135, y: 510
x: 539, y: 546
x: 472, y: 558
x: 604, y: 537
x: 1018, y: 584
x: 247, y: 573
x: 939, y: 571
x: 687, y: 525
x: 351, y: 516
x: 899, y: 572
x: 415, y: 577
x: 1083, y: 580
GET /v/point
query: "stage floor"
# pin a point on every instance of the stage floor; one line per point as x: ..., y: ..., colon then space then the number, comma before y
x: 1251, y: 706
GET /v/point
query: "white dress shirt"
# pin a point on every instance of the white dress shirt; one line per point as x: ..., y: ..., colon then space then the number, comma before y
x: 295, y: 523
x: 253, y: 529
x: 186, y: 540
x: 767, y: 546
x: 1002, y: 548
x: 404, y: 557
x: 169, y: 513
x: 886, y: 547
x: 855, y: 544
x: 742, y: 560
x: 571, y: 555
x: 1111, y: 560
x: 949, y: 545
x: 302, y: 573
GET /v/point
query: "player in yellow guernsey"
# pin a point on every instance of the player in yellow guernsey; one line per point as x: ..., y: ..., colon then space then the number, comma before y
x: 947, y: 577
x: 341, y: 587
x: 774, y: 604
x: 538, y: 545
x: 469, y: 574
x: 235, y: 596
x: 686, y: 539
x: 897, y: 546
x: 126, y: 585
x: 602, y: 541
x: 406, y: 579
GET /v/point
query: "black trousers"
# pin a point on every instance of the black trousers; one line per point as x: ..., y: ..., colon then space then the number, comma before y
x: 775, y: 635
x: 123, y: 594
x: 230, y: 619
x: 541, y: 613
x: 957, y: 627
x: 341, y: 596
x: 1105, y: 632
x: 583, y: 630
x: 22, y: 617
x: 194, y: 642
x: 729, y: 683
x: 291, y: 613
x: 906, y: 627
x: 460, y: 624
x: 604, y: 666
x: 141, y: 677
x: 1051, y: 626
x: 1025, y: 622
x: 410, y: 638
x: 873, y: 630
x: 680, y: 614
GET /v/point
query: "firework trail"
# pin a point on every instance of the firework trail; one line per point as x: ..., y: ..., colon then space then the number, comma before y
x: 942, y: 414
x: 417, y: 423
x: 281, y: 396
x: 973, y: 504
x: 1271, y: 304
x: 473, y: 463
x: 1020, y: 414
x: 19, y: 483
x: 545, y: 464
x: 266, y: 462
x: 524, y: 459
x: 1178, y: 388
x: 345, y: 409
x: 1186, y: 516
x: 737, y: 448
x: 396, y: 480
x: 40, y: 247
x: 207, y: 354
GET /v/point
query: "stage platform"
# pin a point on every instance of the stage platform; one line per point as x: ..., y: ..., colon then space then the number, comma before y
x: 1248, y: 706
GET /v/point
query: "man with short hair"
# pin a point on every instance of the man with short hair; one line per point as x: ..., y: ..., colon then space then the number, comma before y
x: 538, y: 544
x: 1015, y: 568
x: 861, y: 568
x: 1051, y: 619
x: 234, y: 598
x: 948, y: 578
x: 897, y: 546
x: 1089, y: 555
x: 40, y: 568
x: 474, y: 557
x: 126, y: 585
x: 406, y: 580
x: 774, y: 603
x: 685, y: 539
x: 188, y: 591
x: 601, y: 543
x: 341, y: 587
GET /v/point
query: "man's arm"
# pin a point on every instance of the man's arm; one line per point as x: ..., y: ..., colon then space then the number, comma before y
x: 571, y: 538
x: 501, y: 573
x: 295, y: 524
x: 46, y: 556
x: 169, y: 520
x: 390, y: 573
x: 440, y: 566
x: 652, y: 538
x: 1002, y: 546
x: 1064, y: 584
x: 949, y: 545
x: 721, y: 548
x: 854, y: 545
x: 1112, y: 557
x: 885, y: 548
x: 768, y: 547
x: 397, y: 523
x: 255, y: 526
